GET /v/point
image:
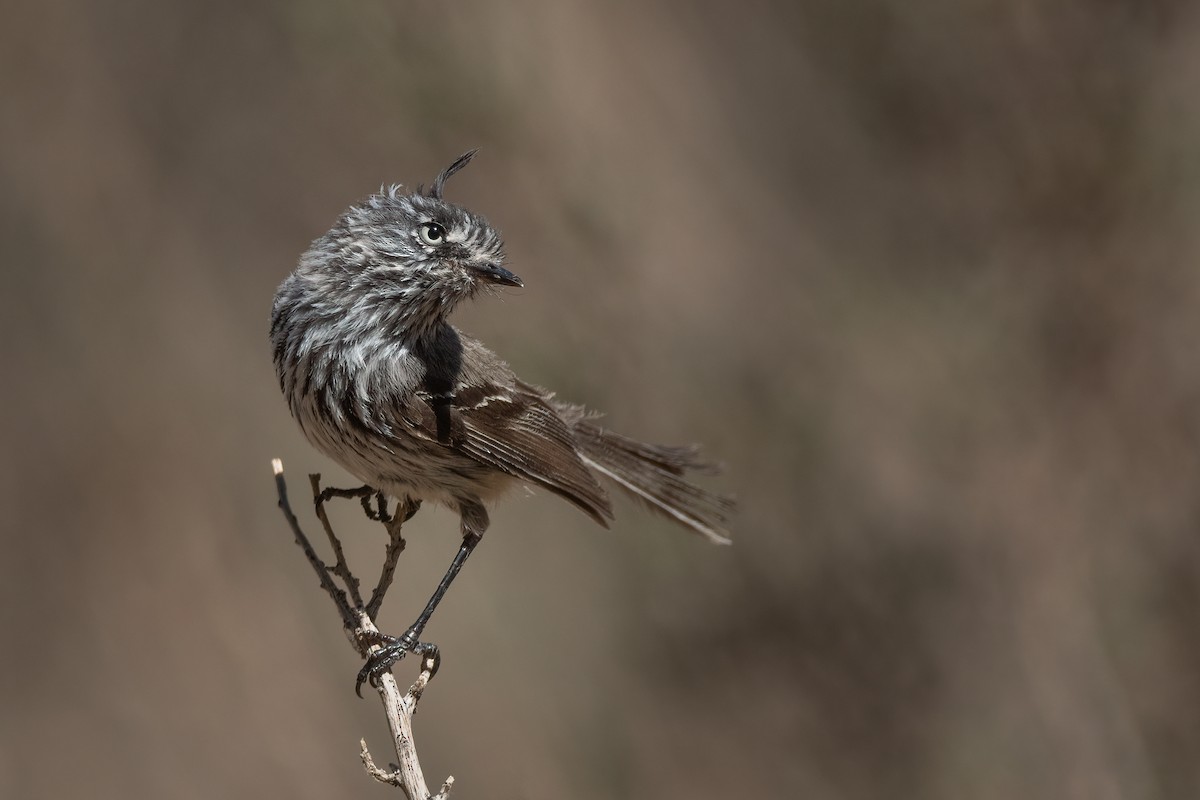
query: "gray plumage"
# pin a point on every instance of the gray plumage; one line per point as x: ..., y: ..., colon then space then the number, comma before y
x: 381, y: 383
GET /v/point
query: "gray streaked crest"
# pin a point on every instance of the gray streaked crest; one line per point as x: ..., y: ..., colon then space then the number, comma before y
x: 439, y: 183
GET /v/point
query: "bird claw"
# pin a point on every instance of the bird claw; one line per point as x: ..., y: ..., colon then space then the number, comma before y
x: 391, y: 650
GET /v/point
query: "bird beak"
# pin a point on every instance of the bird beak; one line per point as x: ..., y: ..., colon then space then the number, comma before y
x: 496, y: 274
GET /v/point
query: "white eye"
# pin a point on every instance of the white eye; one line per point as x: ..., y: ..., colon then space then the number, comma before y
x: 431, y: 233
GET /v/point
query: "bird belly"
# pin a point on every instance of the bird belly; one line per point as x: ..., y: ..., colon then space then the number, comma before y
x: 397, y: 462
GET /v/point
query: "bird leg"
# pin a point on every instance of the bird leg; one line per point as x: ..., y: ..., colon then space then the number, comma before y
x: 394, y: 648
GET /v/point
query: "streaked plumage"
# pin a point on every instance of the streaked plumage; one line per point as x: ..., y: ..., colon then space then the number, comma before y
x: 381, y: 383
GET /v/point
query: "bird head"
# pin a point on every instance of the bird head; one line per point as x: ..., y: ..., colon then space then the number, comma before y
x: 412, y: 251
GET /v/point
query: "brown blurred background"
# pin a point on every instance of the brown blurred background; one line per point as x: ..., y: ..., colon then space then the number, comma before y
x: 923, y: 274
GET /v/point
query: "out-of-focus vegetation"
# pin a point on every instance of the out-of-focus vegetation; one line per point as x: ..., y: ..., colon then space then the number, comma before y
x: 923, y: 274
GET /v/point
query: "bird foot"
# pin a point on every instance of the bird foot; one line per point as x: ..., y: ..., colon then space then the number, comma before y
x: 406, y: 509
x: 391, y: 650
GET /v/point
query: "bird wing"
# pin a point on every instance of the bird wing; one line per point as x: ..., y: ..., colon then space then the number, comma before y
x: 474, y: 405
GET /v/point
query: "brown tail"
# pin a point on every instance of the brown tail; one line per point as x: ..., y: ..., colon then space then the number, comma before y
x: 652, y: 474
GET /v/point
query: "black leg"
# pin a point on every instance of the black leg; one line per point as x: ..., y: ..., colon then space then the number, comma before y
x: 460, y: 558
x: 474, y: 523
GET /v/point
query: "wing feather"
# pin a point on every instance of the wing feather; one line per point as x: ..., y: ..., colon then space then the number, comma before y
x: 478, y: 409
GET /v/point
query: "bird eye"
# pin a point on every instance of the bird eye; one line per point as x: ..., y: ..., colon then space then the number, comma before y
x: 431, y: 233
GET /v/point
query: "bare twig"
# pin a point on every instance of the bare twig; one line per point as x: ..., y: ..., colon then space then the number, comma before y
x: 398, y: 707
x: 340, y: 567
x: 395, y: 547
x: 349, y: 618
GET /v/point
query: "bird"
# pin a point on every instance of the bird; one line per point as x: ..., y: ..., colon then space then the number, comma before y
x: 381, y: 382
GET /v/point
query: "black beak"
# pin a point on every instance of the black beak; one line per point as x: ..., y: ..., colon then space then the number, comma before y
x: 496, y: 274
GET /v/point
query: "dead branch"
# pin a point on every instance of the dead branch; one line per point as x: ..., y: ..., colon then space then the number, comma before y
x: 340, y: 567
x: 395, y: 547
x: 357, y: 620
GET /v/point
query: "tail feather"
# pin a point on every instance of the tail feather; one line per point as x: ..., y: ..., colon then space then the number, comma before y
x: 653, y: 475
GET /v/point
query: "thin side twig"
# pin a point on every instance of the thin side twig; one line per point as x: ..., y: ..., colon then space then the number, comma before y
x: 349, y: 619
x: 395, y: 547
x: 399, y: 708
x: 340, y: 567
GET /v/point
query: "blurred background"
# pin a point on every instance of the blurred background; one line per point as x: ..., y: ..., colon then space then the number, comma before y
x: 922, y: 274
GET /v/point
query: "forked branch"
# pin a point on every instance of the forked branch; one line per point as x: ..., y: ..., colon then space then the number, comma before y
x: 357, y: 621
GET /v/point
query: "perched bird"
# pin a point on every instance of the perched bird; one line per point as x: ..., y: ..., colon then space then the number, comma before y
x: 381, y: 383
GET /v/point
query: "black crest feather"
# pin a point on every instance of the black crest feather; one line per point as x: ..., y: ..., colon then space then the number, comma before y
x: 439, y: 182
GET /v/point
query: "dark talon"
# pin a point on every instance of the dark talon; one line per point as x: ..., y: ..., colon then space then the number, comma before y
x: 380, y: 515
x: 432, y: 658
x: 405, y: 509
x: 382, y: 504
x: 392, y: 650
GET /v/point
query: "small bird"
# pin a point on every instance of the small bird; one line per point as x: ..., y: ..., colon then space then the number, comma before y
x: 381, y: 383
